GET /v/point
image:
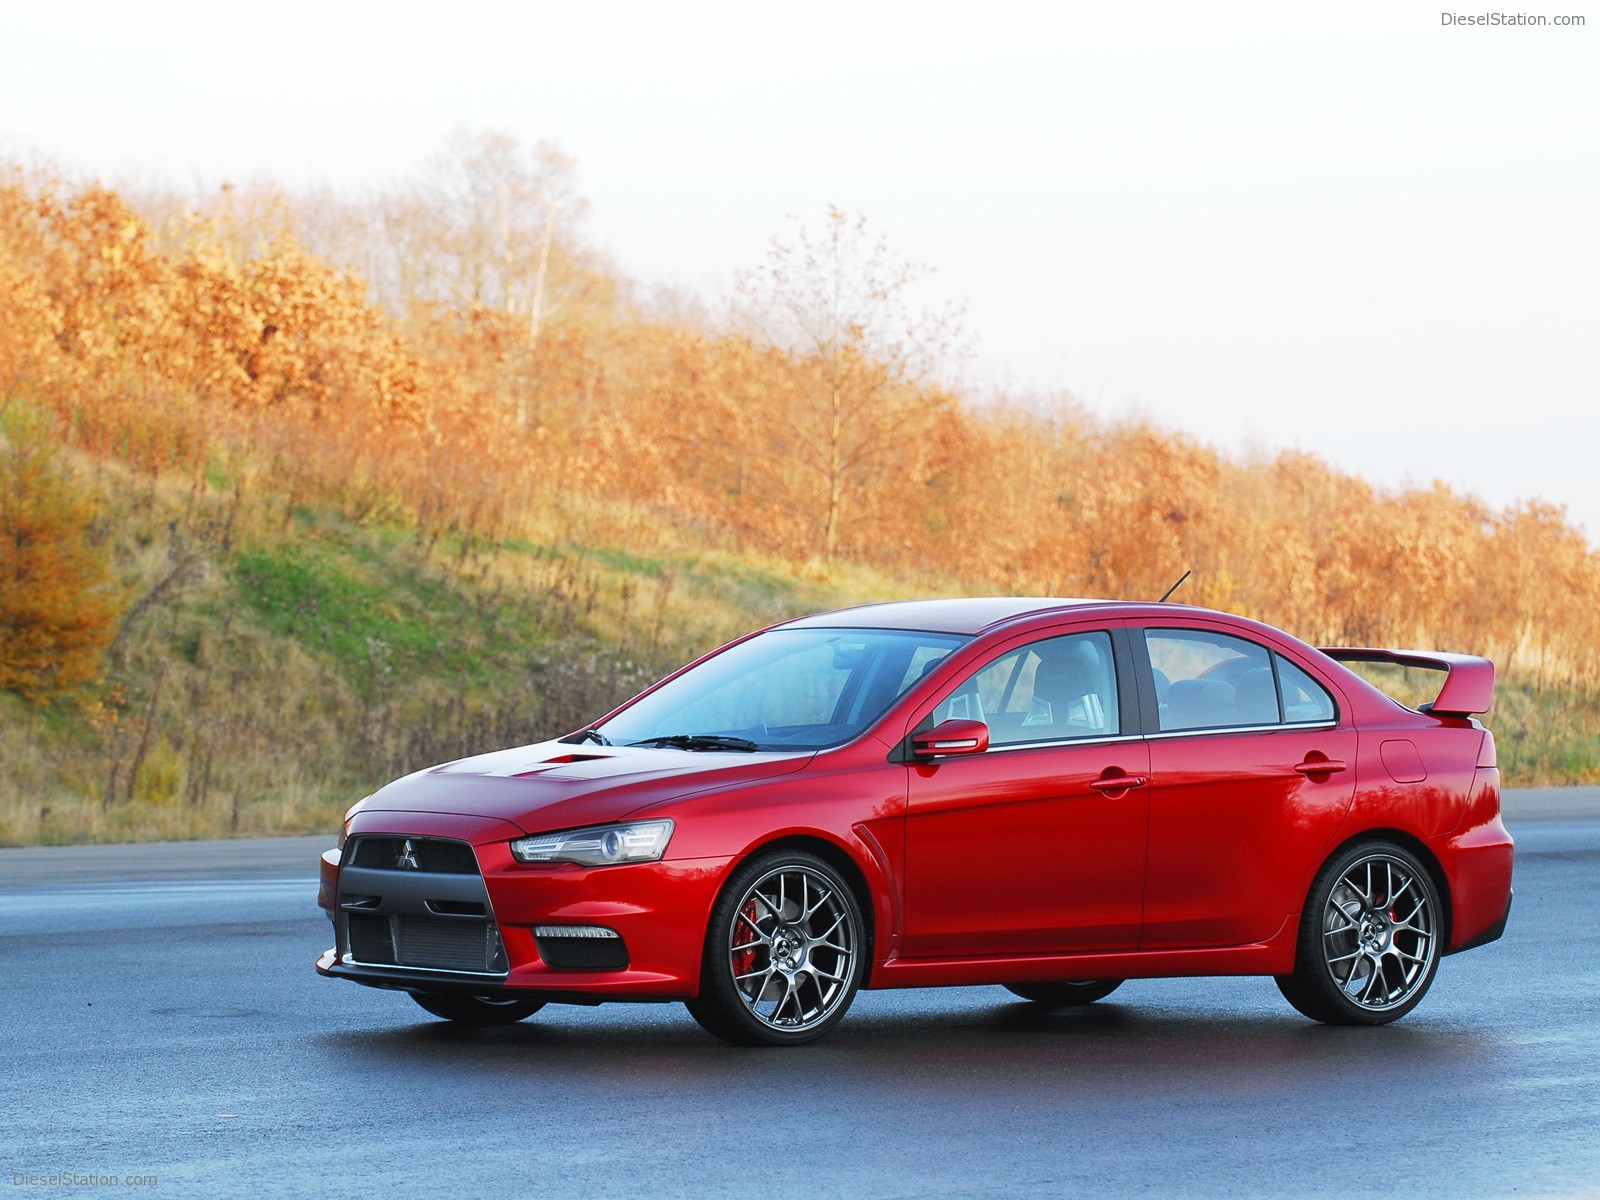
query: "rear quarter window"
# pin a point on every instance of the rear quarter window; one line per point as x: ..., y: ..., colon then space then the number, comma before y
x: 1305, y: 701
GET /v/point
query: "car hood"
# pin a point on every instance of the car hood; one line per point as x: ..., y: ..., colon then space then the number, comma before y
x: 557, y: 785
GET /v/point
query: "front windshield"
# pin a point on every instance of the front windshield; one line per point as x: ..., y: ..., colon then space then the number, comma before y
x: 787, y: 689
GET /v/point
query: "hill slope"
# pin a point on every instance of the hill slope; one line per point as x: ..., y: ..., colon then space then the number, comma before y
x: 317, y: 519
x: 272, y: 672
x: 275, y: 670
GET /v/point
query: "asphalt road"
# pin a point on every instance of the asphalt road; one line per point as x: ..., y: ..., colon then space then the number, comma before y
x: 161, y: 1018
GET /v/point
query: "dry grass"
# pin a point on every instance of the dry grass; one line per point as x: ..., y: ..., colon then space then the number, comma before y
x: 284, y: 669
x: 361, y: 538
x: 278, y: 671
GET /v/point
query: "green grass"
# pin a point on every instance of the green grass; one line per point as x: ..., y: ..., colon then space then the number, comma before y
x: 374, y: 621
x: 621, y: 560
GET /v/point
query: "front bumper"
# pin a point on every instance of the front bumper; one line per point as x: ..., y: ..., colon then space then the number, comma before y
x: 658, y: 910
x: 411, y: 979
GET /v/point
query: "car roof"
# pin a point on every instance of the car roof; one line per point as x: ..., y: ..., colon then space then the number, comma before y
x: 968, y: 615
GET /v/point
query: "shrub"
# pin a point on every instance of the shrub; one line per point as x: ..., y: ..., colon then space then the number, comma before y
x: 58, y: 603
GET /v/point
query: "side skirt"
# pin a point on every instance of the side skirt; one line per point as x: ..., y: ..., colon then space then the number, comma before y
x: 1272, y: 957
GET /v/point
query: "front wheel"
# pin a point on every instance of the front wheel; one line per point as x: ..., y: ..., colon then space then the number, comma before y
x: 1065, y: 995
x: 785, y: 952
x: 1369, y: 938
x: 477, y: 1010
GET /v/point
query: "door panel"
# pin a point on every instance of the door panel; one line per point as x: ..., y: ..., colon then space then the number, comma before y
x: 1235, y: 830
x: 1013, y: 852
x: 1026, y: 849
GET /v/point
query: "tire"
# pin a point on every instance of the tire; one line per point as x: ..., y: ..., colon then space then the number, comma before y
x: 1065, y: 995
x: 478, y: 1011
x: 1370, y: 938
x: 786, y: 951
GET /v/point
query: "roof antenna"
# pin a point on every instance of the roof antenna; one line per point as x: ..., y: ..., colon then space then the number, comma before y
x: 1174, y: 587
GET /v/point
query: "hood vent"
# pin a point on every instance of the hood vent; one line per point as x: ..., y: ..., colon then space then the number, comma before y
x: 560, y: 760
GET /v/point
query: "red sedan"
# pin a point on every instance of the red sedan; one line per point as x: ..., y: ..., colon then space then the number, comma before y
x: 1048, y: 795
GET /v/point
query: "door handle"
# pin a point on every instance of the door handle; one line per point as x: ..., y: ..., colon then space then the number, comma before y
x: 1117, y: 783
x: 1319, y: 766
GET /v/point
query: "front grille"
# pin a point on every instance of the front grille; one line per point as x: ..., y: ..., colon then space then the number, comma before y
x: 417, y: 903
x: 434, y: 943
x: 429, y: 854
x: 447, y: 945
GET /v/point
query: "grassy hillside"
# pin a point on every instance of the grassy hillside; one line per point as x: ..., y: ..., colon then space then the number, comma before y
x: 276, y: 668
x: 296, y: 498
x: 276, y: 665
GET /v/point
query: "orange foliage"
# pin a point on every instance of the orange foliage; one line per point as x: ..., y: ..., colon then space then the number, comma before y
x: 58, y: 607
x: 802, y: 430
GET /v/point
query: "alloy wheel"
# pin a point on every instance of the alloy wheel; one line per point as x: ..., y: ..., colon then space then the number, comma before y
x: 1379, y: 933
x: 792, y: 948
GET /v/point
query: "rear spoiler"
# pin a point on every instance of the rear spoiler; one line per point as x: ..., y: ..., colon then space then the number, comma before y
x: 1468, y: 686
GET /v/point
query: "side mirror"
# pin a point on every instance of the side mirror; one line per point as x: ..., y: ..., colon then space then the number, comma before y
x: 955, y: 736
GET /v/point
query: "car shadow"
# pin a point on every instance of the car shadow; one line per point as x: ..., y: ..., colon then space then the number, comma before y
x: 1109, y: 1047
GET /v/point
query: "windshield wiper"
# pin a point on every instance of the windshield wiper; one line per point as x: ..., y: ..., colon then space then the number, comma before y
x: 587, y: 735
x: 699, y: 741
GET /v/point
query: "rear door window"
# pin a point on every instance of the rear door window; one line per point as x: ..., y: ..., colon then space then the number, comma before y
x: 1208, y: 680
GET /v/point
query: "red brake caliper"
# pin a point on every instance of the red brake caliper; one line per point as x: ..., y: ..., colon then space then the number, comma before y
x: 744, y: 960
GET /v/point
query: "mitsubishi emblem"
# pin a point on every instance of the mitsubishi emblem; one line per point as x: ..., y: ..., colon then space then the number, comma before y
x: 407, y: 857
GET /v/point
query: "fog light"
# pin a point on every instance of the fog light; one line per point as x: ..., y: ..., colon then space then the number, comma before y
x: 573, y: 931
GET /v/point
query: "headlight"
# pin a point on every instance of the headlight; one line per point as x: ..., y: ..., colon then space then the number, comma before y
x: 599, y: 846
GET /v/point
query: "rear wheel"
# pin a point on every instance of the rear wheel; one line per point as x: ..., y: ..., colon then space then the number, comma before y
x: 1369, y: 938
x: 477, y: 1010
x: 1065, y: 995
x: 785, y: 953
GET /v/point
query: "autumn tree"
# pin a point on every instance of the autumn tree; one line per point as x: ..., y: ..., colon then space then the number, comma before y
x: 27, y: 347
x: 58, y: 605
x: 490, y: 224
x: 862, y: 365
x: 392, y: 368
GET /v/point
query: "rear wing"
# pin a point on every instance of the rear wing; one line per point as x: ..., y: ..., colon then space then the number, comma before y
x: 1468, y: 685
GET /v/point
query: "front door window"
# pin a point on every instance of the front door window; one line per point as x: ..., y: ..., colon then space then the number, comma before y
x: 1055, y: 690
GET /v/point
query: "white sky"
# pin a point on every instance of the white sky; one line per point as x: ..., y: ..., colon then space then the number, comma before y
x: 1341, y: 227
